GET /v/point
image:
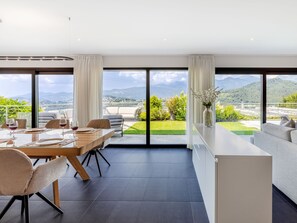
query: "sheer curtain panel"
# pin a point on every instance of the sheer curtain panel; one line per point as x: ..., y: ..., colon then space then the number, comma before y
x: 201, y: 77
x: 88, y: 72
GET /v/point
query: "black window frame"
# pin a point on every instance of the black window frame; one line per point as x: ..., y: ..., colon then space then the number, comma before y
x: 263, y: 72
x: 147, y: 70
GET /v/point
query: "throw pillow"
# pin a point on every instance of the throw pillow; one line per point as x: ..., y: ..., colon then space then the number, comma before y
x: 284, y: 119
x: 290, y: 124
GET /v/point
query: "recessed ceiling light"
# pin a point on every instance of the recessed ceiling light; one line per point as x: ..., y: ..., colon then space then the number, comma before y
x: 78, y: 39
x: 164, y: 39
x: 252, y: 39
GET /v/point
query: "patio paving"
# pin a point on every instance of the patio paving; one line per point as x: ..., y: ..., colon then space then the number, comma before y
x: 155, y: 139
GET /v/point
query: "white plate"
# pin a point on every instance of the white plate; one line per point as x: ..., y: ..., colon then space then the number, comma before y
x: 47, y: 142
x: 34, y: 130
x: 84, y: 129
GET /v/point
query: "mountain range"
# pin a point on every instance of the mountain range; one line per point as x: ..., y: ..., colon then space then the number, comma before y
x: 276, y: 89
x: 235, y: 82
x: 235, y: 90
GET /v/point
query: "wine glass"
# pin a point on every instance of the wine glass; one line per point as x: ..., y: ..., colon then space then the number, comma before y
x: 9, y: 121
x: 63, y: 123
x: 13, y: 125
x: 74, y: 126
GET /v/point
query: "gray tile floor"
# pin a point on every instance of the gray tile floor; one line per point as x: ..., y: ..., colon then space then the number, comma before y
x: 141, y: 185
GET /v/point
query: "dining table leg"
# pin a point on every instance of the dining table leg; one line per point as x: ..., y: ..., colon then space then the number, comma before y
x: 78, y: 167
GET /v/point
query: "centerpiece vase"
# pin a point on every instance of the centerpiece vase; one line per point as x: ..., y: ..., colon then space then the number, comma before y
x: 207, y: 117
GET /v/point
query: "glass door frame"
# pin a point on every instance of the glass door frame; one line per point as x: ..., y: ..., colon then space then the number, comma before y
x: 147, y: 143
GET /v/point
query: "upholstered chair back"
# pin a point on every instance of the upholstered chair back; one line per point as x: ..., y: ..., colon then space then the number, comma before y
x: 16, y: 171
x: 99, y: 124
x: 21, y: 123
x: 55, y: 124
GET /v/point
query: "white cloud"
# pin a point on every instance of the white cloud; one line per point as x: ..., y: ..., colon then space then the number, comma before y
x: 168, y: 77
x: 136, y: 75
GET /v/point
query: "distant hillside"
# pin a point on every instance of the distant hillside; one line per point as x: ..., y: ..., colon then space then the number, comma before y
x: 138, y: 93
x: 251, y: 93
x: 235, y: 82
x: 48, y: 97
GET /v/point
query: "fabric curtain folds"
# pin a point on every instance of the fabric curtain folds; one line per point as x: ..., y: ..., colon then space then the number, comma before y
x: 88, y: 75
x: 201, y: 77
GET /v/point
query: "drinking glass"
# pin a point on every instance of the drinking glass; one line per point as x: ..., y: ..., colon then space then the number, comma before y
x: 63, y: 123
x: 74, y: 126
x: 9, y: 121
x: 13, y: 125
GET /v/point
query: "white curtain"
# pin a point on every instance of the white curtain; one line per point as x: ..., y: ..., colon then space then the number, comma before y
x: 201, y: 77
x: 88, y: 72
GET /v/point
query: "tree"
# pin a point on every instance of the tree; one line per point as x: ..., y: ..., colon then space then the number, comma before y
x: 290, y: 101
x: 157, y: 112
x: 12, y: 107
x: 177, y: 107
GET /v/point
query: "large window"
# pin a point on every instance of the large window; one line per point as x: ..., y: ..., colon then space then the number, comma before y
x: 55, y: 97
x: 281, y: 97
x: 152, y: 103
x: 124, y: 93
x: 239, y: 105
x: 252, y: 96
x: 168, y: 103
x: 32, y: 94
x: 15, y: 97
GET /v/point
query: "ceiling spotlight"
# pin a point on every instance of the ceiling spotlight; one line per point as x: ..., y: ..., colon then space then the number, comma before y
x: 164, y: 39
x: 78, y: 39
x: 252, y: 39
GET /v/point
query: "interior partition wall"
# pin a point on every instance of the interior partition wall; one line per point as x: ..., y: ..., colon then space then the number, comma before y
x: 254, y: 94
x: 26, y: 92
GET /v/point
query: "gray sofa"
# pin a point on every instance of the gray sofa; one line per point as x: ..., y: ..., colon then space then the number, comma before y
x: 281, y: 143
x: 116, y: 123
x: 44, y: 117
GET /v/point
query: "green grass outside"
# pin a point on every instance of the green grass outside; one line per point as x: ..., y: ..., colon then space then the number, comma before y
x: 158, y: 128
x: 179, y: 128
x: 238, y: 128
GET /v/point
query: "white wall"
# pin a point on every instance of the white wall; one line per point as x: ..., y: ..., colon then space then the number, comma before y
x: 256, y: 61
x: 168, y: 61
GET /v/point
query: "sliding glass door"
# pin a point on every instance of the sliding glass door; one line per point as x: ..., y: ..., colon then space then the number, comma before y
x: 168, y: 103
x: 124, y: 95
x: 152, y: 103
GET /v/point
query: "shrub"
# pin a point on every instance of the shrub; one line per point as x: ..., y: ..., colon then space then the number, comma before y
x: 227, y: 114
x: 177, y: 107
x: 290, y: 101
x: 157, y: 111
x: 156, y: 115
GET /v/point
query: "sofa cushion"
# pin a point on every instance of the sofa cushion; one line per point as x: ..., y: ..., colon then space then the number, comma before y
x: 294, y: 136
x: 284, y: 119
x: 277, y: 131
x: 290, y: 123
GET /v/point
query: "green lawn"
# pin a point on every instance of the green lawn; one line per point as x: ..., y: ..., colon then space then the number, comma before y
x: 158, y: 128
x: 238, y: 128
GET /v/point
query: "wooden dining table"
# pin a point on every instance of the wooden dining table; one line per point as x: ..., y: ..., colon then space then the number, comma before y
x: 74, y: 144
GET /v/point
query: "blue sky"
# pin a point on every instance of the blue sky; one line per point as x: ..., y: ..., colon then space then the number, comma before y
x: 16, y: 85
x: 128, y: 79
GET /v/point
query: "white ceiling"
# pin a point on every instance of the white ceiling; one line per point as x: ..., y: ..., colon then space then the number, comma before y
x: 148, y: 27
